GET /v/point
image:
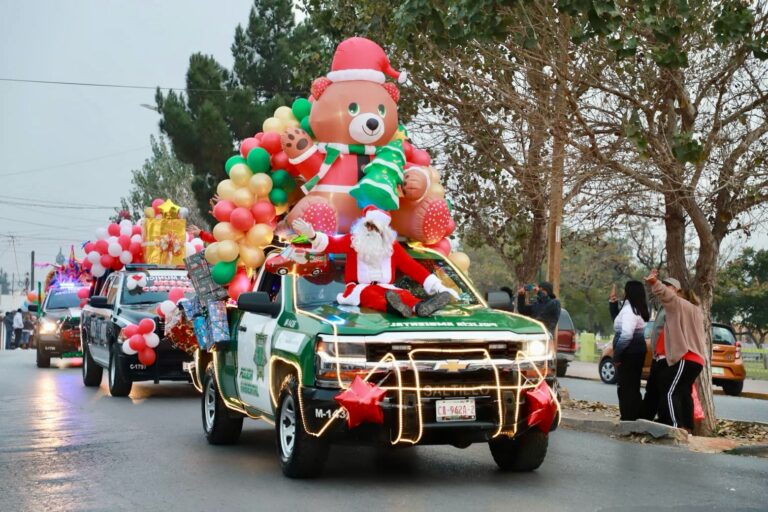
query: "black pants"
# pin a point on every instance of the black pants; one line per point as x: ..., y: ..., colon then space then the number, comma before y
x: 17, y: 337
x: 628, y: 374
x: 653, y: 390
x: 676, y: 401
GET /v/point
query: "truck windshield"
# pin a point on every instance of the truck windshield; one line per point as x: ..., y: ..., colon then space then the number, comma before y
x: 62, y: 299
x: 323, y: 289
x: 156, y: 288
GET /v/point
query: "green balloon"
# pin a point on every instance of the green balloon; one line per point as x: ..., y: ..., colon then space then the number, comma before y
x: 224, y: 271
x: 301, y: 108
x: 278, y: 197
x: 306, y: 127
x: 289, y: 185
x: 279, y: 178
x: 258, y: 160
x: 232, y: 161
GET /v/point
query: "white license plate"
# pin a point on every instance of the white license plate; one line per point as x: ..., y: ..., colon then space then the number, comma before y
x: 455, y: 410
x: 718, y: 371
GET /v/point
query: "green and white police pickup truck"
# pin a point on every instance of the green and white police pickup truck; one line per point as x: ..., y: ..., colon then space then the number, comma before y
x: 469, y: 374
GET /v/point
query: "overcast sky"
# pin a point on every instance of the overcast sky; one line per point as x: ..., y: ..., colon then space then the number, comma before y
x: 45, y: 127
x: 77, y: 145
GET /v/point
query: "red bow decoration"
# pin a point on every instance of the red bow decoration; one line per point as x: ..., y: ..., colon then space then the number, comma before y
x: 361, y: 401
x: 541, y: 407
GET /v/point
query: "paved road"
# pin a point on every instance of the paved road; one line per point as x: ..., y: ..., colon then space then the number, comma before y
x: 731, y: 407
x: 64, y: 447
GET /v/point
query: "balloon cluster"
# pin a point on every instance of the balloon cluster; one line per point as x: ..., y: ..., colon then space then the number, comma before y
x: 155, y: 211
x: 167, y: 306
x: 115, y: 246
x: 83, y: 294
x: 141, y: 339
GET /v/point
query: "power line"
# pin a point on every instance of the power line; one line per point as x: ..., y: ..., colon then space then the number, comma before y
x: 31, y: 204
x: 40, y: 224
x: 53, y: 202
x: 69, y: 164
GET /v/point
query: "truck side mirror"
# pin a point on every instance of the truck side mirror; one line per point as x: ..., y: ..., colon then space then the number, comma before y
x: 32, y: 308
x: 499, y: 300
x: 100, y: 301
x: 258, y: 302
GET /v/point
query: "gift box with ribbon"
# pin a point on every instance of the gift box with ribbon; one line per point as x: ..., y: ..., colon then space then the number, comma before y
x: 201, y: 333
x: 218, y: 324
x: 164, y: 241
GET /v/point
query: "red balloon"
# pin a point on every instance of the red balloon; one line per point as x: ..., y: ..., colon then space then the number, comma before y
x: 147, y: 356
x: 113, y: 229
x: 239, y: 284
x: 101, y: 246
x: 117, y: 264
x: 258, y: 136
x: 83, y: 303
x: 280, y: 160
x: 83, y: 293
x: 443, y: 247
x: 130, y: 329
x: 135, y: 248
x: 157, y: 202
x: 176, y: 294
x: 124, y: 241
x: 241, y: 219
x: 223, y: 210
x: 106, y: 260
x: 88, y: 247
x: 87, y: 264
x: 146, y: 326
x: 137, y: 342
x: 271, y: 142
x: 408, y: 150
x: 159, y: 312
x: 420, y: 157
x: 136, y: 230
x: 246, y: 145
x: 263, y: 212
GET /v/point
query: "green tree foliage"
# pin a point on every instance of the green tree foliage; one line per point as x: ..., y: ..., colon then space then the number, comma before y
x: 741, y: 296
x: 488, y: 269
x: 274, y: 62
x: 162, y: 176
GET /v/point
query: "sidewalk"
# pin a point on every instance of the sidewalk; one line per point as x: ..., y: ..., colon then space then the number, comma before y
x: 752, y: 388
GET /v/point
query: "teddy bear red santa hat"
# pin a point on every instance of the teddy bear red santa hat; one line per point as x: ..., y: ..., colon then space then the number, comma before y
x: 358, y: 58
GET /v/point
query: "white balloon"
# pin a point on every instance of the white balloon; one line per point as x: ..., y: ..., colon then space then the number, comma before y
x: 125, y: 227
x: 131, y: 284
x: 127, y: 348
x: 189, y: 247
x: 93, y: 256
x: 126, y: 257
x: 136, y: 238
x: 101, y: 233
x: 114, y: 249
x: 97, y: 270
x: 167, y: 307
x: 183, y: 212
x: 152, y: 340
x: 198, y: 241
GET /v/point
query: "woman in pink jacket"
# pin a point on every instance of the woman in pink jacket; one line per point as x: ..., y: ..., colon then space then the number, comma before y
x: 685, y: 352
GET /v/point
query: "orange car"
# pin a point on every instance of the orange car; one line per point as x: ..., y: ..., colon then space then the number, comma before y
x: 727, y: 366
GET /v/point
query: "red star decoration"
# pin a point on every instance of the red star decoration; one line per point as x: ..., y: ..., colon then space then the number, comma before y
x: 361, y: 401
x: 541, y: 407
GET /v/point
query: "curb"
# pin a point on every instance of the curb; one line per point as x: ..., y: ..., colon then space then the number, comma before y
x: 757, y: 450
x: 659, y: 432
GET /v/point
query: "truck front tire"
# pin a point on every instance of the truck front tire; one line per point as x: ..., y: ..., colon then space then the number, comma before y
x: 92, y: 372
x: 301, y: 455
x: 119, y: 383
x: 523, y: 453
x: 219, y: 425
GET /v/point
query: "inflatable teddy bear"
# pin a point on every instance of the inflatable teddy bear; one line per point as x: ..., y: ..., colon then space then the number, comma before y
x: 359, y: 157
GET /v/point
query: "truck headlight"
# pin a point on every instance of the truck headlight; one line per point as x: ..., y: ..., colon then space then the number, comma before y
x: 338, y: 361
x: 540, y: 350
x: 537, y: 348
x: 47, y: 326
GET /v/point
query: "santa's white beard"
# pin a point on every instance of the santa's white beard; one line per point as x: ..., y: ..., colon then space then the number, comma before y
x: 371, y: 246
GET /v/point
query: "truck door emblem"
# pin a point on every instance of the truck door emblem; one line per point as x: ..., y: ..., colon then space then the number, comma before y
x: 259, y: 355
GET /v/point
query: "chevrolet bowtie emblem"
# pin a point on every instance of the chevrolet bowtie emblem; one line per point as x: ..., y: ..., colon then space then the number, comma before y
x: 451, y: 365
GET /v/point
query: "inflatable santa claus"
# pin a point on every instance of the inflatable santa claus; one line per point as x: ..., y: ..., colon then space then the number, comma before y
x: 373, y: 256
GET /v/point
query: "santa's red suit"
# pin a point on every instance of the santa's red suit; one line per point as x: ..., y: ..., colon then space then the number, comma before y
x: 367, y: 284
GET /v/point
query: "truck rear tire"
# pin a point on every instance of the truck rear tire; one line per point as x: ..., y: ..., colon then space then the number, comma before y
x: 42, y: 360
x: 92, y: 372
x: 524, y: 453
x: 219, y: 425
x: 119, y: 383
x: 301, y: 454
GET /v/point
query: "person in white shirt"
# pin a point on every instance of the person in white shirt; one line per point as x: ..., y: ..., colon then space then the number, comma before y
x: 18, y: 328
x: 629, y: 349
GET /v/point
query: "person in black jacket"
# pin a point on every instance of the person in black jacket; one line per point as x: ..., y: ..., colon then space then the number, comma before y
x: 544, y: 307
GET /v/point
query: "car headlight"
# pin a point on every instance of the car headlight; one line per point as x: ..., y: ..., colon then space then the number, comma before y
x: 47, y: 326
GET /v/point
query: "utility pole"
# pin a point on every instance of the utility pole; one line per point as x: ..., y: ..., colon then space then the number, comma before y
x: 32, y: 272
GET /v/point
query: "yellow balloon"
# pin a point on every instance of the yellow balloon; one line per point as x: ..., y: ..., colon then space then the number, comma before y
x: 212, y: 253
x: 149, y: 212
x: 226, y: 189
x: 436, y: 190
x: 243, y: 197
x: 224, y: 231
x: 240, y: 174
x: 260, y: 184
x: 228, y: 250
x: 273, y: 124
x: 259, y: 235
x: 251, y: 256
x: 434, y: 174
x: 461, y: 260
x: 284, y: 114
x: 279, y: 210
x: 290, y: 123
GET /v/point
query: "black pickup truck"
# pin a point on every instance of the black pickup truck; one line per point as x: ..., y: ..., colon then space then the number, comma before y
x: 118, y: 305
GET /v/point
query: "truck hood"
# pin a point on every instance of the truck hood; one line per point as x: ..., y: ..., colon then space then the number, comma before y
x: 350, y: 321
x: 57, y: 314
x: 137, y: 313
